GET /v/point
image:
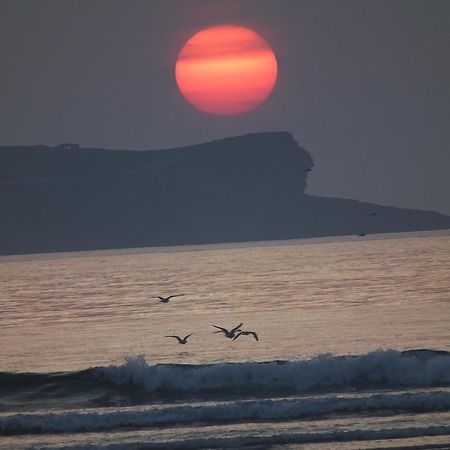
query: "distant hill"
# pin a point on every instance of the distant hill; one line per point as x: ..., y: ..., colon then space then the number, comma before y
x: 244, y: 188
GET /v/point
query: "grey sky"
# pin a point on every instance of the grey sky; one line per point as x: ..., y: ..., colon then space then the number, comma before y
x: 363, y: 84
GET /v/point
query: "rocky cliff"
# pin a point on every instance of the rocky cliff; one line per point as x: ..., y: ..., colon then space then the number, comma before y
x: 245, y: 188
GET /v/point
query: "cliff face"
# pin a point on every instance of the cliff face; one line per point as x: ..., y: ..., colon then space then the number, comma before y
x: 245, y: 188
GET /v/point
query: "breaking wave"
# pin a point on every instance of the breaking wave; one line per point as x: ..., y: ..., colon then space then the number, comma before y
x: 138, y: 396
x: 378, y: 369
x: 382, y: 369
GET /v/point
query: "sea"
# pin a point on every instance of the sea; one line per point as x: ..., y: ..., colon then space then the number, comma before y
x: 353, y: 348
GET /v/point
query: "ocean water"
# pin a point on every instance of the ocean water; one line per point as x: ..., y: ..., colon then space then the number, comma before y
x: 353, y: 349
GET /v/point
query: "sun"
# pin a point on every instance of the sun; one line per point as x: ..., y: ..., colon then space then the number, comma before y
x: 226, y: 70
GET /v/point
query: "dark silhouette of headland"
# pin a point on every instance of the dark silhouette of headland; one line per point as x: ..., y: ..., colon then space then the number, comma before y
x: 245, y: 188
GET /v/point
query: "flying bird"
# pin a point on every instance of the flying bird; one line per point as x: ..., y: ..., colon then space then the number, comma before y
x: 246, y: 333
x: 166, y: 299
x: 372, y: 214
x: 181, y: 340
x: 228, y: 333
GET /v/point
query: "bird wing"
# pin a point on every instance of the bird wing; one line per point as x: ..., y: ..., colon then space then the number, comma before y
x: 233, y: 330
x: 176, y: 337
x: 221, y: 329
x: 236, y: 336
x: 176, y: 295
x: 254, y: 335
x: 187, y: 336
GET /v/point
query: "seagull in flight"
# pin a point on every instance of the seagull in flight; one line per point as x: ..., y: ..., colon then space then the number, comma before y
x: 246, y: 333
x: 181, y: 340
x: 166, y: 299
x: 228, y: 333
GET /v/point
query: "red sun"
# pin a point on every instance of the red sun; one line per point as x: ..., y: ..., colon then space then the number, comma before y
x: 226, y: 70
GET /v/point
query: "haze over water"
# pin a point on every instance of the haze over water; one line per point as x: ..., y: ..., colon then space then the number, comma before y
x: 338, y: 296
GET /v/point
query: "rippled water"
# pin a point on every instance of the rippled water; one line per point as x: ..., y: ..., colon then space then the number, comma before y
x: 75, y: 310
x: 343, y: 296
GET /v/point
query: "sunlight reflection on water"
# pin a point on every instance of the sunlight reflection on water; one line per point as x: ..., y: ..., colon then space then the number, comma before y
x: 342, y: 295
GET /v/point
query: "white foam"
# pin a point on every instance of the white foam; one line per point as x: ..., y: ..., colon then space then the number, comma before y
x: 240, y: 411
x: 387, y: 368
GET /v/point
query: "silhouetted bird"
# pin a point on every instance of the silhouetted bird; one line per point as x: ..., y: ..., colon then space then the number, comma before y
x: 372, y: 214
x: 361, y: 234
x: 180, y: 340
x: 246, y: 333
x: 228, y: 333
x: 166, y: 299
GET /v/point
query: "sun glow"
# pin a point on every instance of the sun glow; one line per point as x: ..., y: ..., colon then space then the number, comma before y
x: 226, y: 70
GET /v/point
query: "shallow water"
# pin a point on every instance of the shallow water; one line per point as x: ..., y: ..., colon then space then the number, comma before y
x: 336, y: 296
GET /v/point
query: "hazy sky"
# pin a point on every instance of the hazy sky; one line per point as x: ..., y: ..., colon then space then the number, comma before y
x: 363, y: 84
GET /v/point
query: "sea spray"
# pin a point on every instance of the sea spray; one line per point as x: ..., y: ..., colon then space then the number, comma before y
x: 378, y: 369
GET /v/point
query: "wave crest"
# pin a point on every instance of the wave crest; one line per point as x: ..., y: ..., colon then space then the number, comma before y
x: 378, y: 369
